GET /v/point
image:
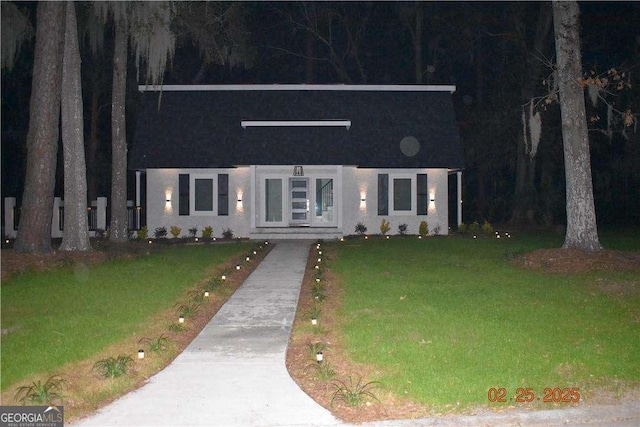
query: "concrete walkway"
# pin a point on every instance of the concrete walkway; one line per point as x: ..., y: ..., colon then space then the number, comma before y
x: 234, y: 374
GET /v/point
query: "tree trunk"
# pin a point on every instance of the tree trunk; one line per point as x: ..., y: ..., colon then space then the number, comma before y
x: 526, y: 197
x: 34, y: 233
x: 118, y: 226
x: 582, y: 231
x: 76, y: 229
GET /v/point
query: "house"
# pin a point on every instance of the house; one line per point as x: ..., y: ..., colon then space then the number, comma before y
x: 296, y: 161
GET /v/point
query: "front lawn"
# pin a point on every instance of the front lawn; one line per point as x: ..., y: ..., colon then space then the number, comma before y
x: 70, y: 314
x: 444, y: 320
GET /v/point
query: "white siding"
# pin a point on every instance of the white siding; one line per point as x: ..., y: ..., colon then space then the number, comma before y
x: 247, y: 184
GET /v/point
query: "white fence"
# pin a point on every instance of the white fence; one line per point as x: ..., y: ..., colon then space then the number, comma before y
x: 97, y: 217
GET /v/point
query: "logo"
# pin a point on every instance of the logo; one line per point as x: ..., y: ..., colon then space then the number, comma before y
x: 31, y: 416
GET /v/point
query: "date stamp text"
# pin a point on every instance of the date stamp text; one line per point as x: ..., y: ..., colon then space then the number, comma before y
x: 526, y: 395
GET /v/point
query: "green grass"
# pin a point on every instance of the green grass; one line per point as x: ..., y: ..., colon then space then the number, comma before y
x: 445, y: 319
x: 71, y: 314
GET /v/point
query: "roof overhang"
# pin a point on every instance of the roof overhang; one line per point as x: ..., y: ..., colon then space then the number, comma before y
x: 295, y: 123
x: 297, y: 87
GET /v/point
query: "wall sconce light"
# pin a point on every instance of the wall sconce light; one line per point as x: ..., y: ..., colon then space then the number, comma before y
x: 432, y: 197
x: 167, y: 199
x: 319, y: 357
x: 140, y: 354
x: 363, y: 200
x: 239, y: 199
x: 298, y: 171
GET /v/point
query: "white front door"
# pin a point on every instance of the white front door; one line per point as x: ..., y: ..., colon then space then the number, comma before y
x: 299, y: 201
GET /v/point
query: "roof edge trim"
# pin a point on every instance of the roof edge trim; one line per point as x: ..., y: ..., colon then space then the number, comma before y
x: 297, y: 87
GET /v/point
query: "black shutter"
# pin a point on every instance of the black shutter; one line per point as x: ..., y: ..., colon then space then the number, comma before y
x: 383, y: 194
x: 423, y: 194
x: 223, y: 194
x: 183, y: 194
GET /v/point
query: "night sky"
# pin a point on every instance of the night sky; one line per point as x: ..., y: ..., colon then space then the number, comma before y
x: 481, y: 47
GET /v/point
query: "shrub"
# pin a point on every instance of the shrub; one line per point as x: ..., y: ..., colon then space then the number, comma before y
x: 361, y: 228
x: 37, y: 393
x: 384, y: 226
x: 324, y: 371
x: 175, y: 231
x: 157, y: 345
x: 193, y: 231
x: 227, y: 233
x: 474, y: 228
x: 423, y: 229
x: 113, y: 367
x: 463, y: 228
x: 436, y: 230
x: 99, y: 233
x: 207, y: 232
x: 160, y: 232
x: 402, y: 229
x: 353, y: 394
x: 142, y: 233
x: 487, y: 228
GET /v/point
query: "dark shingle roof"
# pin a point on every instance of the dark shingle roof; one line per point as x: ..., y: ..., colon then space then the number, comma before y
x: 202, y: 128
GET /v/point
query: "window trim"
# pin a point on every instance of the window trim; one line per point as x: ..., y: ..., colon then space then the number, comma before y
x: 413, y: 193
x: 192, y: 194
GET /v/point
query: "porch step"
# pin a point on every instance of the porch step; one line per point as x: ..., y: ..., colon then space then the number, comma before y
x: 296, y: 233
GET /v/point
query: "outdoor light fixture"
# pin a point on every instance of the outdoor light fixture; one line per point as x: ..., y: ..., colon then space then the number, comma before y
x: 317, y: 267
x: 366, y: 237
x: 420, y: 236
x: 318, y: 246
x: 206, y: 293
x: 181, y: 319
x: 237, y: 266
x: 298, y: 171
x: 317, y: 280
x: 223, y: 277
x: 432, y: 198
x: 196, y: 239
x: 319, y: 252
x: 388, y: 237
x: 314, y: 321
x: 319, y: 357
x: 255, y: 253
x: 149, y: 241
x: 319, y: 259
x: 247, y: 258
x: 140, y: 354
x: 342, y: 239
x: 266, y: 242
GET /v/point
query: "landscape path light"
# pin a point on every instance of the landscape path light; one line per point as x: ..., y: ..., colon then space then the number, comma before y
x: 319, y: 357
x: 141, y: 354
x: 181, y: 319
x: 206, y: 293
x: 314, y: 321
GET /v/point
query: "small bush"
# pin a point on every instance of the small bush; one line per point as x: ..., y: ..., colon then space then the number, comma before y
x: 423, y: 228
x: 189, y: 309
x: 142, y: 233
x: 192, y: 232
x: 160, y: 233
x: 474, y: 228
x: 177, y: 327
x: 353, y: 394
x: 324, y: 371
x: 314, y: 311
x: 402, y: 229
x: 99, y: 233
x: 385, y: 226
x: 207, y: 232
x: 113, y: 367
x: 156, y: 345
x: 436, y: 230
x: 487, y: 229
x: 175, y: 231
x: 463, y: 228
x: 361, y: 228
x: 227, y: 233
x: 36, y: 393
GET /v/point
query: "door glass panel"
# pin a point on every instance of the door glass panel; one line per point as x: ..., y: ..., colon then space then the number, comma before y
x: 273, y: 200
x: 324, y: 200
x: 299, y: 200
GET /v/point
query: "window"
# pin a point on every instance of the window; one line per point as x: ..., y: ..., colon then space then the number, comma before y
x: 402, y: 194
x: 324, y: 200
x: 273, y: 200
x: 203, y: 195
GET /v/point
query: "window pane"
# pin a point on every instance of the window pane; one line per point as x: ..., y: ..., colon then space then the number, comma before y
x: 402, y: 194
x: 273, y: 200
x: 324, y: 200
x: 204, y: 194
